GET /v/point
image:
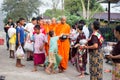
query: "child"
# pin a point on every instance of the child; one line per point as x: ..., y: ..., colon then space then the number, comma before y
x: 52, y: 51
x: 20, y: 38
x: 39, y: 51
x: 12, y: 40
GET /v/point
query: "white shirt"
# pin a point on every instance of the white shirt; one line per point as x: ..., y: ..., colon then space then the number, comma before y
x: 30, y: 27
x: 86, y: 31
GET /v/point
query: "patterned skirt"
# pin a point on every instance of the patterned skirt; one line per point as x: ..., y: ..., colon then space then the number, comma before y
x: 96, y: 65
x: 81, y: 61
x: 116, y: 72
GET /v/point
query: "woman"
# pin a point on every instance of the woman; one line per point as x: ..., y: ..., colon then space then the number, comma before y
x: 96, y: 58
x: 115, y: 56
x: 81, y: 59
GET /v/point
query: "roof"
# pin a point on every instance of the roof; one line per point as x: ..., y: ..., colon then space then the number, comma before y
x: 104, y: 16
x: 117, y: 5
x: 106, y: 1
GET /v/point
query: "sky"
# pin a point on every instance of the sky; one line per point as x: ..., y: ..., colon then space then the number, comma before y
x: 48, y: 6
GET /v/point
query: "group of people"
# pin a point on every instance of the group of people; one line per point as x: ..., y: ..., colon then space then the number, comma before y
x: 54, y: 43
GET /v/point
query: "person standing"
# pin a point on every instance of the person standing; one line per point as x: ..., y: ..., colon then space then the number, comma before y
x: 115, y: 56
x: 30, y: 29
x: 81, y: 54
x: 39, y: 50
x: 63, y: 45
x: 20, y: 39
x: 7, y: 26
x: 40, y: 22
x: 12, y: 41
x: 95, y: 56
x: 85, y: 28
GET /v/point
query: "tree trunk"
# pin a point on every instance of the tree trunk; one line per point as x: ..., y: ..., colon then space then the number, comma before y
x: 84, y: 13
x: 88, y: 10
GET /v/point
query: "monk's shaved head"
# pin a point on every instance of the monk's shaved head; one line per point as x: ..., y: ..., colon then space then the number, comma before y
x: 63, y: 19
x: 53, y: 19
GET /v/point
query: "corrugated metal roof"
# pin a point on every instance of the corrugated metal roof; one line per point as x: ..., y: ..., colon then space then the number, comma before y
x: 106, y: 1
x: 117, y: 5
x: 104, y: 16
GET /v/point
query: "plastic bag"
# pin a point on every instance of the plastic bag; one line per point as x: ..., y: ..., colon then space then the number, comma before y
x: 20, y: 53
x: 28, y: 46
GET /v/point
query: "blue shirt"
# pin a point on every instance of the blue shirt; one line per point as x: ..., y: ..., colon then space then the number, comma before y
x: 21, y: 31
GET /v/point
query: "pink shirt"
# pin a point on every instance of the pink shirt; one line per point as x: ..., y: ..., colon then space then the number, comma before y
x: 40, y: 39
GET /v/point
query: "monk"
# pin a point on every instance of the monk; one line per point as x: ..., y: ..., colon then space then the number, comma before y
x: 53, y: 25
x: 63, y: 46
x: 45, y: 25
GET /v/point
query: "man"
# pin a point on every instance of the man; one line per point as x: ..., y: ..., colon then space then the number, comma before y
x: 63, y: 45
x: 53, y: 25
x: 30, y: 28
x: 7, y: 26
x: 20, y: 39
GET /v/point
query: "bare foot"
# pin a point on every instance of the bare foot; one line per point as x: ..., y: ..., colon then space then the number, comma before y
x: 34, y: 70
x: 53, y: 72
x: 81, y: 76
x: 22, y: 65
x: 41, y: 65
x: 19, y: 66
x: 47, y: 71
x: 107, y: 71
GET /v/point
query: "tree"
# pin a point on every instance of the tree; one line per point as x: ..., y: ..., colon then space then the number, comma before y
x: 51, y: 13
x: 21, y: 8
x: 85, y: 8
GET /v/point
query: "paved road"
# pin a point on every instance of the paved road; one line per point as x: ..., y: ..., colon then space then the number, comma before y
x: 8, y: 69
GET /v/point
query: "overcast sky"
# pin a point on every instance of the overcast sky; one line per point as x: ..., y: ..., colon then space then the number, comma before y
x: 43, y: 8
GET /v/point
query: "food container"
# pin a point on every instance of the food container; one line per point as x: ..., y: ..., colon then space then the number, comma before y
x: 83, y: 42
x: 107, y: 50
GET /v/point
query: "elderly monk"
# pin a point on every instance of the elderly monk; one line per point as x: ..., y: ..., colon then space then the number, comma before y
x: 63, y: 45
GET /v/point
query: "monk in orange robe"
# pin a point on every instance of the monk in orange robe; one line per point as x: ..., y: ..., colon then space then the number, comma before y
x: 46, y: 27
x: 53, y: 25
x: 63, y: 46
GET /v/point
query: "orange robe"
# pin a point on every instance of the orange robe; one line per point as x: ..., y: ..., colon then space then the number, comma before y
x: 50, y: 27
x: 63, y: 46
x: 46, y: 27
